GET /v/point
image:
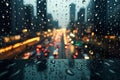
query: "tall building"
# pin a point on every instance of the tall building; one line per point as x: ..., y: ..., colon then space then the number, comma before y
x: 17, y: 16
x: 72, y: 13
x: 41, y: 14
x: 100, y: 17
x: 50, y: 21
x: 113, y: 16
x: 90, y: 12
x: 81, y: 16
x: 56, y: 24
x: 28, y: 16
x: 5, y: 17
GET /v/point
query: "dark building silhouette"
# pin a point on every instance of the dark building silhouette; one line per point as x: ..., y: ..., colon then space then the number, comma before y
x: 17, y: 16
x: 29, y: 15
x: 56, y: 24
x: 113, y: 17
x: 50, y: 22
x: 90, y: 12
x: 41, y: 14
x: 100, y: 17
x: 5, y: 17
x: 72, y: 14
x: 81, y: 16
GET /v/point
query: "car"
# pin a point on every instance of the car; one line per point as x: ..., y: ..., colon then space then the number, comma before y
x: 55, y: 53
x: 74, y: 56
x: 85, y: 56
x: 66, y: 46
x: 46, y: 52
x: 26, y: 55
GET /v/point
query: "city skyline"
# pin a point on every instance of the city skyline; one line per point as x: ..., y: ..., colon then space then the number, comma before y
x: 60, y: 9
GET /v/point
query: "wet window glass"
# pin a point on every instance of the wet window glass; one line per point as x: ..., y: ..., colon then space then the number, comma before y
x: 59, y: 39
x: 59, y: 29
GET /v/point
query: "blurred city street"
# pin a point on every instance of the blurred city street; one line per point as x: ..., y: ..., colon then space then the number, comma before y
x: 59, y: 39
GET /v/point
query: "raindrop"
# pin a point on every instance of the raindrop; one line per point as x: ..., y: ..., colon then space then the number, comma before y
x: 3, y: 73
x: 3, y: 16
x: 107, y: 64
x: 111, y: 71
x: 53, y: 61
x: 69, y: 72
x: 51, y: 69
x: 111, y: 61
x: 79, y: 68
x: 38, y: 62
x: 7, y: 4
x: 11, y: 65
x: 97, y: 74
x: 14, y: 74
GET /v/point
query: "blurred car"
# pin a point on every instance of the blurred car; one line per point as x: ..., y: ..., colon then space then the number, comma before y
x: 39, y: 50
x: 66, y: 46
x: 46, y: 52
x: 74, y: 56
x: 55, y: 53
x: 26, y: 55
x: 86, y: 56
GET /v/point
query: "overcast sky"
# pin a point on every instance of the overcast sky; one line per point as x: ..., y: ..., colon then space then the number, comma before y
x: 60, y: 9
x: 33, y: 2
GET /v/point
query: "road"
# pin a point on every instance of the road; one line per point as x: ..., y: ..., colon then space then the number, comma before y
x: 56, y: 45
x: 61, y: 44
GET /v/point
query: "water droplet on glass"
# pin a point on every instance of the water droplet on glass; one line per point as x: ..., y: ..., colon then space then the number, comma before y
x: 69, y: 72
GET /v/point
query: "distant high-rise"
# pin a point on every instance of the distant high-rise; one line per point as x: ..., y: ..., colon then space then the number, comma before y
x: 56, y: 24
x: 81, y: 16
x: 29, y: 15
x: 100, y: 14
x: 5, y: 17
x: 50, y: 22
x: 113, y: 16
x: 72, y: 14
x: 90, y: 12
x: 41, y: 14
x: 17, y: 16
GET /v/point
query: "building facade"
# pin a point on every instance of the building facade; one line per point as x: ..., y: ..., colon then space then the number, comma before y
x: 41, y: 14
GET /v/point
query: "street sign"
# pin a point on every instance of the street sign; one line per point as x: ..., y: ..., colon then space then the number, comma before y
x: 78, y: 43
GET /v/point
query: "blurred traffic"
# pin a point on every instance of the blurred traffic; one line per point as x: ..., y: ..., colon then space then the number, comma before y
x: 56, y: 44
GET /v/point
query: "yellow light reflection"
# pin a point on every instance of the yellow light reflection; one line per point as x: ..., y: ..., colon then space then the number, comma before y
x: 8, y: 48
x: 92, y: 34
x: 112, y: 37
x: 49, y: 30
x: 19, y: 44
x: 38, y: 33
x: 6, y: 39
x: 31, y: 40
x: 24, y: 30
x: 72, y: 49
x: 17, y: 37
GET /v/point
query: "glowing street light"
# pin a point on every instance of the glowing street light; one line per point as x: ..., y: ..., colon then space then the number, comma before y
x: 24, y: 30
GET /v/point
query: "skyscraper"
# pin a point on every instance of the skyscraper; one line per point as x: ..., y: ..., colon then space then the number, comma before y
x: 41, y: 14
x: 72, y: 14
x: 50, y: 21
x: 113, y: 16
x: 90, y: 12
x: 5, y: 17
x: 29, y: 15
x: 81, y: 16
x: 17, y: 16
x: 100, y: 14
